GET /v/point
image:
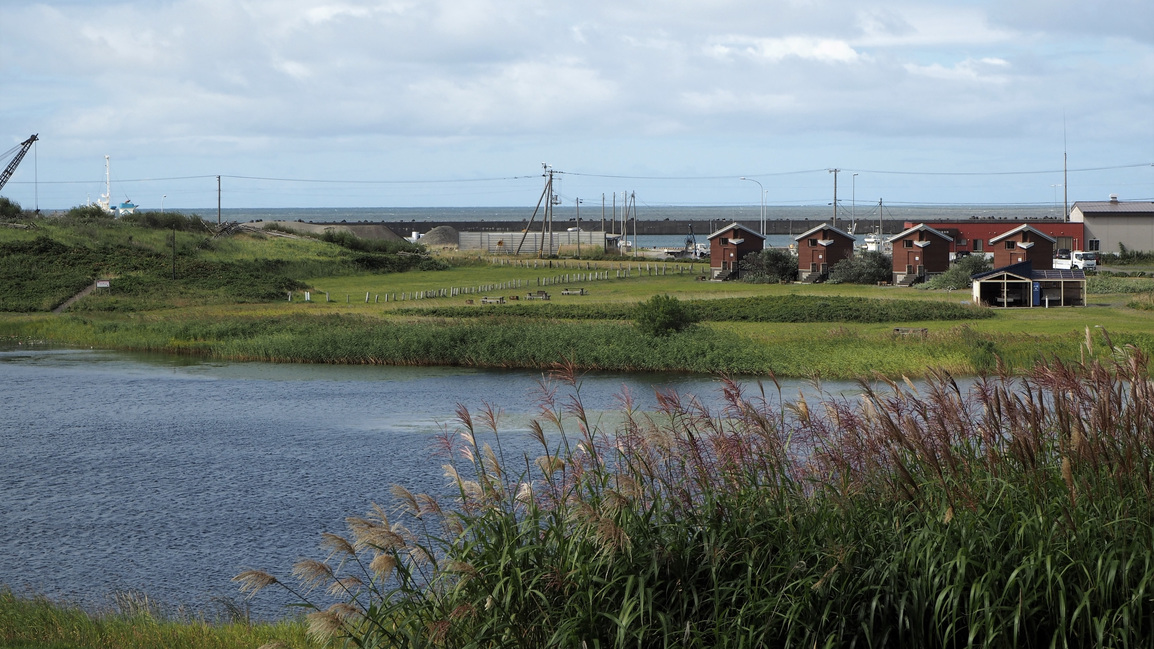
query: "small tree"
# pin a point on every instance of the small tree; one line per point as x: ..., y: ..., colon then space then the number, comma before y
x: 771, y: 265
x: 868, y: 268
x: 9, y: 209
x: 662, y: 315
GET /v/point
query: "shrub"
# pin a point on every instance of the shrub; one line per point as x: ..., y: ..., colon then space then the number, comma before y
x: 867, y: 268
x: 167, y: 221
x: 960, y: 273
x: 9, y: 209
x: 771, y: 265
x: 87, y: 213
x: 662, y: 315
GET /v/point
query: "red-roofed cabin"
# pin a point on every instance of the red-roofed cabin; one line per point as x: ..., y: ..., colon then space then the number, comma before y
x: 920, y: 252
x: 1024, y: 243
x: 727, y: 246
x: 819, y: 249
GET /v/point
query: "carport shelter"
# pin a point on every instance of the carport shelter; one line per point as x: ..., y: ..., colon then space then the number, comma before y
x: 1019, y: 285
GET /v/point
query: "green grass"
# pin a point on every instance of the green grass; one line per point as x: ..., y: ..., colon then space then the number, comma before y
x: 37, y: 623
x: 230, y: 301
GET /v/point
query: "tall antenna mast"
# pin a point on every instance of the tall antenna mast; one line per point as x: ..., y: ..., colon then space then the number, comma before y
x: 1065, y: 175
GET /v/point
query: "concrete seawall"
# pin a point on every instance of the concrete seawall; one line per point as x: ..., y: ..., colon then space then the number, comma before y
x: 701, y: 228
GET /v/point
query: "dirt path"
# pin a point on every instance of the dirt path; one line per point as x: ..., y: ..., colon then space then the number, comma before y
x: 67, y: 303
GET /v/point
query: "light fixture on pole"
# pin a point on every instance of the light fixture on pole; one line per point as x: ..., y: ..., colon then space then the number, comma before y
x: 761, y: 194
x: 164, y: 196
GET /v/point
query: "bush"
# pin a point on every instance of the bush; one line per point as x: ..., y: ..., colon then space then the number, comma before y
x: 771, y: 265
x: 9, y: 209
x: 662, y: 315
x: 86, y: 213
x: 867, y: 268
x: 960, y: 273
x: 167, y: 221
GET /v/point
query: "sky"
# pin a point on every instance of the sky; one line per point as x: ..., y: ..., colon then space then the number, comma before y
x: 425, y: 103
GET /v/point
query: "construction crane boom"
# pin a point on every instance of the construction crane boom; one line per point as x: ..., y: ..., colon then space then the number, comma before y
x: 11, y: 168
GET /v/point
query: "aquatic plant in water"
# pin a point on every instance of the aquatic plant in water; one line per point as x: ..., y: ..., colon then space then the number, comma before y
x: 1019, y: 512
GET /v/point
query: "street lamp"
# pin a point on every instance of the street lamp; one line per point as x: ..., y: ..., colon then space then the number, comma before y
x: 164, y: 196
x: 760, y: 194
x: 853, y: 203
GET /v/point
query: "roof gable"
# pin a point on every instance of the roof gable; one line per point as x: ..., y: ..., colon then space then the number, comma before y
x: 734, y: 226
x: 823, y: 226
x: 1023, y: 228
x: 921, y: 227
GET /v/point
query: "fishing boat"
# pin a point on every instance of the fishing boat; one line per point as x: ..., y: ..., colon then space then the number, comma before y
x: 105, y: 201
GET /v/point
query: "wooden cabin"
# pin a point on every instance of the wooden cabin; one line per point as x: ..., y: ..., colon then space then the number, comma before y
x: 1023, y: 243
x: 1021, y: 285
x: 818, y: 249
x: 726, y: 248
x: 919, y: 252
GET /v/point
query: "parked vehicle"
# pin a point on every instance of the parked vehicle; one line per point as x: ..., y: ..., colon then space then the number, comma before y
x: 1078, y: 259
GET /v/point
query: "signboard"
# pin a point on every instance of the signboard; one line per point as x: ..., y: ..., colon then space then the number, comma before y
x: 102, y: 283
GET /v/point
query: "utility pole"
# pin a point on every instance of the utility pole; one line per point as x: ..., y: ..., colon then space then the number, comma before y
x: 218, y: 200
x: 578, y: 201
x: 633, y: 196
x: 602, y: 213
x: 834, y: 172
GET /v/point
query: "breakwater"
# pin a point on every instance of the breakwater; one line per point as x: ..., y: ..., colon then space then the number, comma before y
x: 700, y: 227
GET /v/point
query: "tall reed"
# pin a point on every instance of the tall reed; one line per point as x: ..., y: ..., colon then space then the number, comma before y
x: 1019, y: 512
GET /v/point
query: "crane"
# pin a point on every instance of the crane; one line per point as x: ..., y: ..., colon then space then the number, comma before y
x: 11, y: 168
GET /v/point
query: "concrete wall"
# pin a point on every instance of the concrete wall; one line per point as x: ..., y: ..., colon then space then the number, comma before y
x: 507, y: 242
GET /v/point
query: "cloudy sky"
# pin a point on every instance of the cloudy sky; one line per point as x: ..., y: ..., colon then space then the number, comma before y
x: 459, y: 102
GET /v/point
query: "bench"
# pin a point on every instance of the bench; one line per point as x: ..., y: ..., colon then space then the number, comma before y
x: 539, y: 295
x: 574, y: 291
x: 910, y: 331
x: 492, y: 300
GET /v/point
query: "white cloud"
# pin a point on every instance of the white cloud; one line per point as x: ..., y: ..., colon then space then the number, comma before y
x: 276, y: 77
x: 986, y: 70
x: 775, y: 50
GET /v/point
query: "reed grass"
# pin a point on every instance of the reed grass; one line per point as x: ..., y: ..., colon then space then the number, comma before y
x: 1019, y: 513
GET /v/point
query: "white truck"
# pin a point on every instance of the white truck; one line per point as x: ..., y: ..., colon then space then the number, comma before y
x: 1076, y: 259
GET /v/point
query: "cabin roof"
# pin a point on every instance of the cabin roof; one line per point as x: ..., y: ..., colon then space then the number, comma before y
x: 823, y: 226
x: 920, y: 227
x: 1022, y: 228
x: 733, y: 226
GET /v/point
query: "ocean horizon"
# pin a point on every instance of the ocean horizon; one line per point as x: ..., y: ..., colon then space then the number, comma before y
x: 866, y: 213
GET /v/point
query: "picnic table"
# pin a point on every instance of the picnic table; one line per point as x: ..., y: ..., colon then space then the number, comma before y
x: 537, y: 295
x: 492, y: 300
x: 574, y: 291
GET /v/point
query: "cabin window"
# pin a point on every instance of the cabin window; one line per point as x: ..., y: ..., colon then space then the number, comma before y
x: 1010, y: 245
x: 812, y: 243
x: 724, y: 241
x: 1093, y: 244
x: 977, y: 245
x: 961, y: 243
x: 907, y: 243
